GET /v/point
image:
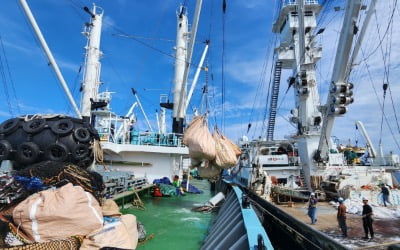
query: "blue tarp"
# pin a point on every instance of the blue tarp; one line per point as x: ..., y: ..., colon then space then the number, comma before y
x: 192, y: 189
x: 164, y: 180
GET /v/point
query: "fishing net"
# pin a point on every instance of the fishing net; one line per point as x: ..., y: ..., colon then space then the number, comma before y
x: 12, y: 237
x: 167, y: 190
x: 54, y: 173
x: 11, y: 192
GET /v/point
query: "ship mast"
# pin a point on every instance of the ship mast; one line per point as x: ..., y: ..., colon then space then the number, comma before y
x: 91, y: 79
x: 297, y: 52
x: 183, y: 56
x: 180, y: 64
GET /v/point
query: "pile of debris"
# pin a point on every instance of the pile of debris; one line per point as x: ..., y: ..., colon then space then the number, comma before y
x: 53, y: 204
x: 49, y: 197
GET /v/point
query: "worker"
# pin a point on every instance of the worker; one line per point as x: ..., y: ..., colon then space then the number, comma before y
x: 367, y: 219
x: 312, y: 208
x: 341, y: 217
x: 176, y: 182
x: 385, y: 194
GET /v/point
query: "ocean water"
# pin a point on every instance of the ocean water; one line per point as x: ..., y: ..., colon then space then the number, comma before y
x: 172, y: 221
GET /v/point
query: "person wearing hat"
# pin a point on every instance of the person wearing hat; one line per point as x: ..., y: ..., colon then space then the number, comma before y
x: 367, y: 219
x: 312, y: 208
x: 341, y: 216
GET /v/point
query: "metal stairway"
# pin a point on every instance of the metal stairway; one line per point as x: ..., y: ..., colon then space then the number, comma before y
x: 303, y: 179
x: 274, y: 100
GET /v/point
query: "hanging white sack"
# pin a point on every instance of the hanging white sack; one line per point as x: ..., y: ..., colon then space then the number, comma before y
x: 199, y: 139
x: 226, y: 155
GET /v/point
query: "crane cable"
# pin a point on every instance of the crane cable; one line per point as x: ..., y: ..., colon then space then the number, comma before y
x: 222, y: 67
x: 364, y: 60
x: 3, y: 67
x: 386, y: 62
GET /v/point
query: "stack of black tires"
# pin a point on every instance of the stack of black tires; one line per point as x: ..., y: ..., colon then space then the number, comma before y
x: 32, y: 139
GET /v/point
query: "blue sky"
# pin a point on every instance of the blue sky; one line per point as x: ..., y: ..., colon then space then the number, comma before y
x: 29, y: 85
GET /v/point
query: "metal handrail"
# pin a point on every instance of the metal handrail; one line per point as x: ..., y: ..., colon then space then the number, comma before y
x: 294, y: 2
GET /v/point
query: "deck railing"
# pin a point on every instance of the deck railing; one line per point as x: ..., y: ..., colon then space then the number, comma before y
x: 147, y: 138
x: 294, y: 2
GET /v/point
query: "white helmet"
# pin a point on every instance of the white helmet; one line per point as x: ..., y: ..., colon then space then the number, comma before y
x: 312, y: 194
x: 364, y: 198
x: 340, y: 199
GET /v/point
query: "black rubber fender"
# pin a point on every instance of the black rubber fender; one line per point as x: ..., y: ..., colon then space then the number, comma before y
x: 56, y: 152
x: 9, y: 126
x: 80, y: 151
x: 94, y: 133
x: 5, y: 150
x: 85, y: 162
x: 34, y: 126
x: 62, y: 127
x: 82, y: 134
x: 28, y: 152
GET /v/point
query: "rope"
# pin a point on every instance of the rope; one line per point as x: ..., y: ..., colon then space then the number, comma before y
x: 384, y: 35
x: 151, y: 236
x: 138, y: 202
x: 98, y: 151
x: 56, y: 173
x: 4, y: 76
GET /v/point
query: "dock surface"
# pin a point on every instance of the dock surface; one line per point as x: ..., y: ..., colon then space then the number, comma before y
x: 387, y: 231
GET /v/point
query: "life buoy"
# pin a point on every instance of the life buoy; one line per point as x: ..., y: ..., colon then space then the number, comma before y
x: 5, y: 150
x: 56, y: 152
x: 82, y: 134
x: 27, y: 153
x: 9, y: 126
x: 62, y: 127
x: 34, y: 126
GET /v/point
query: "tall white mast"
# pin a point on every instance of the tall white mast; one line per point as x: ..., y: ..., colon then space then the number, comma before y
x: 91, y: 80
x: 180, y: 64
x: 184, y: 51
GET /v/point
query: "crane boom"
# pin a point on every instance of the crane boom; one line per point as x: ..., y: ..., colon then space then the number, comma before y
x: 371, y: 148
x: 340, y: 91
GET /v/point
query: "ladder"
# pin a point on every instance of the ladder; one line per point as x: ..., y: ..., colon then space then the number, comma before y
x: 274, y: 100
x: 303, y: 180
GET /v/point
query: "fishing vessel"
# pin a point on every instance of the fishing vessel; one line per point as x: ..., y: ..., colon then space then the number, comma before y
x: 280, y: 172
x: 149, y: 154
x: 313, y: 162
x: 282, y: 158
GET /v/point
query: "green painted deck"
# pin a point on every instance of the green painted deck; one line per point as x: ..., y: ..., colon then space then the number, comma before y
x: 171, y: 220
